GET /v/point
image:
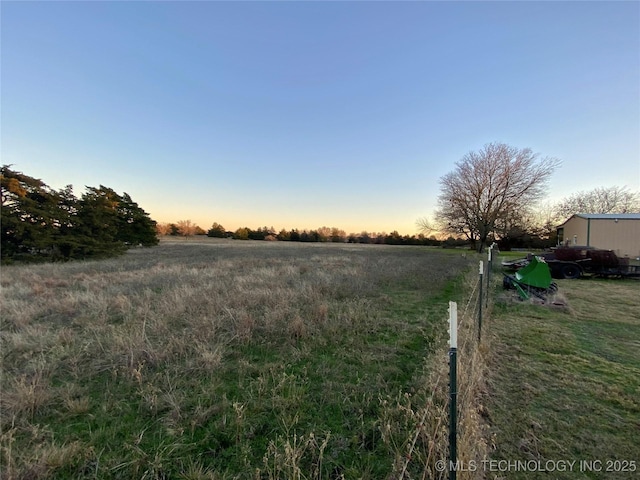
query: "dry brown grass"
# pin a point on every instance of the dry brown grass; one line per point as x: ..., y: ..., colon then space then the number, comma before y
x: 125, y: 367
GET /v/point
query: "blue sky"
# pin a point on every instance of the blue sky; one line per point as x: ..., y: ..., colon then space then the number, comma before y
x: 303, y: 114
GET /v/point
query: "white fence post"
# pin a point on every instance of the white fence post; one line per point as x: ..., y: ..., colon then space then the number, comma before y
x: 453, y: 387
x: 480, y: 299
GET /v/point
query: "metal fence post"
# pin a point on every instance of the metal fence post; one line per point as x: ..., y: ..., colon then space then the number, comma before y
x: 489, y: 268
x: 453, y: 389
x: 480, y: 301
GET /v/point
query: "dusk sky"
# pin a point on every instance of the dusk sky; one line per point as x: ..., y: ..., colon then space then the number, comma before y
x: 304, y: 114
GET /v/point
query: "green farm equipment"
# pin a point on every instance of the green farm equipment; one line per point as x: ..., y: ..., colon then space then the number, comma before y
x: 533, y: 279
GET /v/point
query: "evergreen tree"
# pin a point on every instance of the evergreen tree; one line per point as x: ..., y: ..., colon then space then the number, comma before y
x: 40, y: 223
x: 241, y: 233
x: 216, y: 231
x: 284, y: 235
x: 98, y: 223
x: 135, y: 227
x: 29, y: 215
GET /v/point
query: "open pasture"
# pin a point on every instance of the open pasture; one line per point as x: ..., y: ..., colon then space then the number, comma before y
x: 221, y: 359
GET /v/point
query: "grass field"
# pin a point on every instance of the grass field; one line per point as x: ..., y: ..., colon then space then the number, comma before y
x: 216, y: 359
x: 566, y: 383
x: 222, y: 359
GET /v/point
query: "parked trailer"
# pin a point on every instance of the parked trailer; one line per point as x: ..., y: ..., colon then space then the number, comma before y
x: 576, y: 261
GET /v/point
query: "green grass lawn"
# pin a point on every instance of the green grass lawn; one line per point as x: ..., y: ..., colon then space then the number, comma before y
x: 566, y: 382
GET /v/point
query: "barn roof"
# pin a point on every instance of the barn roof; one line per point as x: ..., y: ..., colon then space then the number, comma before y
x: 605, y: 216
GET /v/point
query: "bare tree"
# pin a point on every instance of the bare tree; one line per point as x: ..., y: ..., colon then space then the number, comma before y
x: 324, y: 233
x: 544, y: 220
x: 338, y: 235
x: 425, y: 226
x: 163, y: 228
x: 186, y: 228
x: 599, y: 200
x: 490, y: 189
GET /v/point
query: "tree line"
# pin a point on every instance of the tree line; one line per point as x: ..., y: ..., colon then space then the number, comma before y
x: 186, y: 228
x: 43, y: 224
x: 492, y: 195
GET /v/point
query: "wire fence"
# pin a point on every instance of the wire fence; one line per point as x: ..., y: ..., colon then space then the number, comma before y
x: 428, y: 450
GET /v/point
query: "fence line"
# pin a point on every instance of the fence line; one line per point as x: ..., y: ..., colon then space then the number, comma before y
x: 434, y: 391
x: 471, y: 363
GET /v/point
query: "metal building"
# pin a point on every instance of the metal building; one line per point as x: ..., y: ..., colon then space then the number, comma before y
x: 619, y: 232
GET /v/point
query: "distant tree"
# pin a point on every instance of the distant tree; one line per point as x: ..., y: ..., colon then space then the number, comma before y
x: 394, y: 238
x: 338, y: 235
x: 163, y: 228
x: 216, y: 231
x: 323, y: 234
x: 491, y: 187
x: 294, y: 235
x: 309, y: 236
x: 425, y: 226
x: 241, y: 234
x: 599, y: 200
x: 265, y: 232
x: 364, y: 237
x: 256, y: 234
x: 284, y: 235
x: 432, y: 240
x: 379, y: 238
x: 544, y: 221
x: 261, y: 233
x: 187, y: 228
x: 453, y: 242
x: 526, y: 234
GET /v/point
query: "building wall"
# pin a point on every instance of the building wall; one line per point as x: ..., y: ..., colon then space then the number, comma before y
x: 575, y: 231
x: 623, y: 236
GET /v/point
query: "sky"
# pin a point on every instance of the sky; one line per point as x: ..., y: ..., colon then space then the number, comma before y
x: 307, y: 114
